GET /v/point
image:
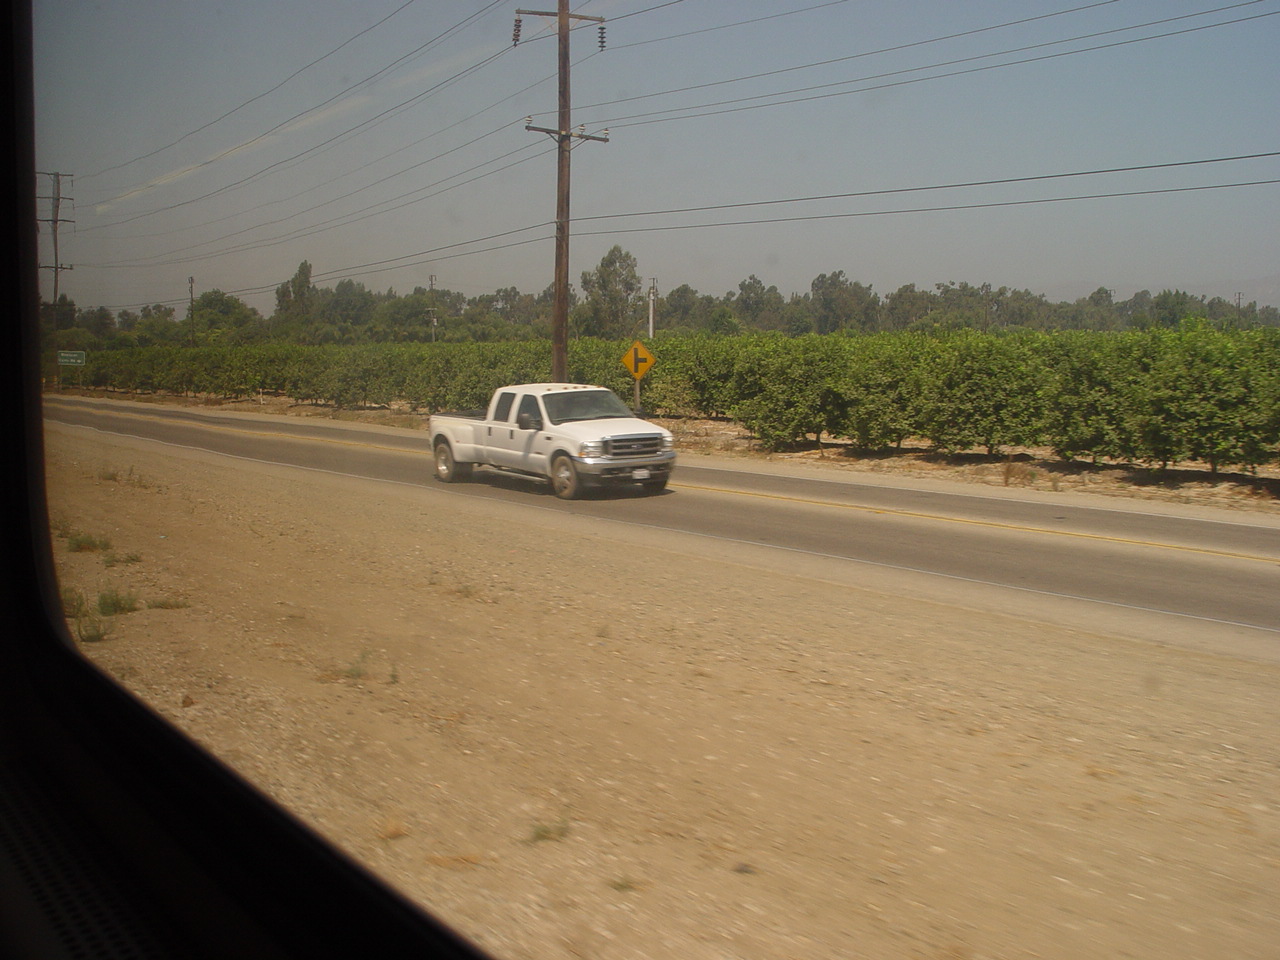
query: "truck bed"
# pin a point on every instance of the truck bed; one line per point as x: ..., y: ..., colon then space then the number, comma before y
x: 463, y: 414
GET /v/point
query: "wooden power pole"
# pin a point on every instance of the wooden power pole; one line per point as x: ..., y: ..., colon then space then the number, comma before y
x: 564, y: 138
x: 54, y: 220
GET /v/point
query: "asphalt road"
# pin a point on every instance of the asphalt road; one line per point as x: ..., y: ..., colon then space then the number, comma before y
x: 1205, y: 578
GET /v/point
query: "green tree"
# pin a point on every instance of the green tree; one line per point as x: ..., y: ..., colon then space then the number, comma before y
x: 964, y: 305
x: 684, y: 309
x: 789, y: 388
x: 293, y: 297
x: 838, y: 303
x: 407, y: 318
x: 722, y: 322
x: 979, y: 389
x: 99, y: 321
x: 349, y: 304
x: 612, y: 297
x: 216, y: 314
x: 1170, y: 307
x: 60, y: 315
x: 157, y: 324
x: 1208, y: 397
x: 877, y: 385
x: 906, y: 307
x: 1137, y: 310
x: 1089, y: 376
x: 758, y: 306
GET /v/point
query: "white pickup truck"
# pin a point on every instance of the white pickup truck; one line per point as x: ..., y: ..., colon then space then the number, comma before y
x: 575, y: 436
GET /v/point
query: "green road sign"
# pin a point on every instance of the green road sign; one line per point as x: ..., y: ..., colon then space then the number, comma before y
x: 71, y: 358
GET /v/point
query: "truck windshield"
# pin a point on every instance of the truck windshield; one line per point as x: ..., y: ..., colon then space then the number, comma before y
x: 584, y: 405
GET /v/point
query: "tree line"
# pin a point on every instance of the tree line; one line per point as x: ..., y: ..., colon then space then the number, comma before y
x: 1157, y: 395
x: 612, y: 301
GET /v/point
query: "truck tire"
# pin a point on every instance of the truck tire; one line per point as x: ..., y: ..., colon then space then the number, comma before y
x: 654, y: 486
x: 448, y: 470
x: 565, y: 482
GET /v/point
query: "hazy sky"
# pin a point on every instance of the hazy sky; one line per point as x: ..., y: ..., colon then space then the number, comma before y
x: 384, y: 141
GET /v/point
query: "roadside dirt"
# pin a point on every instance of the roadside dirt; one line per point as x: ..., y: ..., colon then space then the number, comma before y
x: 567, y: 749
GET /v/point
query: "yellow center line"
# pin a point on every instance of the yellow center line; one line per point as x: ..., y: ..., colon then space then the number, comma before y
x: 993, y: 524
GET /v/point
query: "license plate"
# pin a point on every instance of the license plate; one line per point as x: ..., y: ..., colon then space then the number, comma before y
x: 640, y: 474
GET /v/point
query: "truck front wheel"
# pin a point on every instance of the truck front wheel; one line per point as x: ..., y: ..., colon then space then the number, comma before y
x: 565, y: 481
x: 449, y: 470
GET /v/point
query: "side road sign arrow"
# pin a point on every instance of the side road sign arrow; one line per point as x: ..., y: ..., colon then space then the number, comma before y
x: 638, y: 360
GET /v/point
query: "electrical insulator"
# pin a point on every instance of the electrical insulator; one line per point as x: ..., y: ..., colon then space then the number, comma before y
x: 601, y: 28
x: 515, y: 33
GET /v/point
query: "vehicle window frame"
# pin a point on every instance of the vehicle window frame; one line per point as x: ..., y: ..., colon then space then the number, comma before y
x: 502, y: 408
x: 529, y: 405
x: 551, y: 401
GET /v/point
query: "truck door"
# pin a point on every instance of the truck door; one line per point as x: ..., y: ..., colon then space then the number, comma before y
x: 511, y: 447
x: 529, y: 447
x: 500, y: 431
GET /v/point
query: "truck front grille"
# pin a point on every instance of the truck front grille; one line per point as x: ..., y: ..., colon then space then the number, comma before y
x: 634, y: 445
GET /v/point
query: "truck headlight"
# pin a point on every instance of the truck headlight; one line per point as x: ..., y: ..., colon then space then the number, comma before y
x: 591, y: 448
x: 668, y: 443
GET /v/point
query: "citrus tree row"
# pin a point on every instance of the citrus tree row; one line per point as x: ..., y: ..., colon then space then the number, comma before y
x: 1153, y: 396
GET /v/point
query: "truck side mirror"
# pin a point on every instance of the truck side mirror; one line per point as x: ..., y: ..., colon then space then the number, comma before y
x: 527, y: 421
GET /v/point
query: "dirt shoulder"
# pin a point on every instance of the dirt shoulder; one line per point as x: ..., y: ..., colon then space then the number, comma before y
x: 567, y: 748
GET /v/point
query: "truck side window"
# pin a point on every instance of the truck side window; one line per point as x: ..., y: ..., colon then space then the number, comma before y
x: 529, y: 405
x: 503, y: 409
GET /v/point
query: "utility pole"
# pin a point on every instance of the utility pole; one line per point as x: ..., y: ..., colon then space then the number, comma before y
x: 653, y: 299
x: 54, y: 220
x: 191, y: 308
x: 564, y: 138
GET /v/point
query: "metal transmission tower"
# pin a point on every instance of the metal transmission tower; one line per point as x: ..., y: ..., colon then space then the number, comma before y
x: 564, y: 137
x: 54, y: 219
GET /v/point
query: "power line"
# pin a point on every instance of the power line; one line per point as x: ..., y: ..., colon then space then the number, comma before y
x: 310, y: 150
x: 430, y: 255
x: 448, y: 253
x: 333, y: 223
x: 940, y: 186
x: 438, y: 254
x: 671, y: 3
x: 296, y: 158
x: 299, y: 156
x: 657, y: 116
x: 934, y: 209
x: 298, y: 116
x: 434, y: 133
x: 726, y: 26
x: 862, y: 194
x: 857, y: 56
x: 256, y: 98
x: 418, y: 258
x: 340, y: 197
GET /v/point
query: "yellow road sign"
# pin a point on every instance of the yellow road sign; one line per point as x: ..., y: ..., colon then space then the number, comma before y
x: 638, y: 360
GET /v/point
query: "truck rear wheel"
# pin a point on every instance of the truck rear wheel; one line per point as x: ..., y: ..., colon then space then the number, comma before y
x: 448, y: 470
x: 565, y: 481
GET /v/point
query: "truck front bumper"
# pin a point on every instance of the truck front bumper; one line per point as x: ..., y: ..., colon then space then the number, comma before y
x: 627, y: 469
